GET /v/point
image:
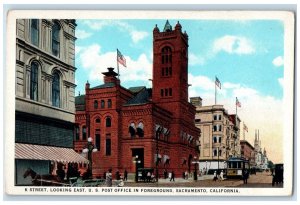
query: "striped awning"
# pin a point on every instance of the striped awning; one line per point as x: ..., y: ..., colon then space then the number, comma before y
x: 40, y: 152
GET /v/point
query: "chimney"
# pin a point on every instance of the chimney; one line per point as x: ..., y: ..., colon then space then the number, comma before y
x: 110, y: 76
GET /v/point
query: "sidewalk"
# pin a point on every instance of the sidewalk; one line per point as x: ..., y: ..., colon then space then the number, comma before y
x: 181, y: 180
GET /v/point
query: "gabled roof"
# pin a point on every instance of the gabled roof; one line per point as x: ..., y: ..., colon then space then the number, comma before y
x: 80, y: 100
x: 105, y: 85
x: 141, y: 98
x: 137, y: 89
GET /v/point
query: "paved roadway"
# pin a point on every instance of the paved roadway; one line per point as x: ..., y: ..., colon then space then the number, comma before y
x: 259, y: 180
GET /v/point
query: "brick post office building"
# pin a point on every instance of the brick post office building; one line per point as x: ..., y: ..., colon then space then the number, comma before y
x: 154, y: 124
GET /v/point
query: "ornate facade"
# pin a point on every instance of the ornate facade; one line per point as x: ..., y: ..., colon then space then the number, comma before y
x: 156, y: 125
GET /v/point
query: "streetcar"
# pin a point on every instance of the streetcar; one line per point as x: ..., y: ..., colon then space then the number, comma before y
x: 236, y: 166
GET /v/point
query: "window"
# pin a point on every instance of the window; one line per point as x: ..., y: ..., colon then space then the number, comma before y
x: 84, y: 133
x: 166, y: 92
x: 109, y: 104
x: 56, y: 90
x: 55, y: 39
x: 220, y: 127
x: 220, y: 153
x: 215, y: 153
x: 220, y: 139
x: 215, y: 128
x: 215, y: 117
x: 108, y: 147
x: 132, y: 129
x: 161, y: 92
x: 170, y: 91
x: 102, y: 104
x: 220, y: 117
x: 215, y: 139
x: 197, y: 120
x: 34, y: 81
x: 140, y: 130
x: 163, y: 72
x: 166, y: 58
x: 108, y: 122
x: 77, y: 133
x: 97, y: 137
x: 34, y: 32
x: 95, y: 104
x: 97, y: 120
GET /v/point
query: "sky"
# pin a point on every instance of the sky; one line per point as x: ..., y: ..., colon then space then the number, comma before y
x: 247, y: 56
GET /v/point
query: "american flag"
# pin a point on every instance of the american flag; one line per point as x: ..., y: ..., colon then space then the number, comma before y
x: 121, y: 58
x: 218, y: 83
x: 238, y: 103
x: 245, y: 128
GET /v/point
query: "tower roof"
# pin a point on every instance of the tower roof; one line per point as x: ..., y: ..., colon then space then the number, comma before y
x: 167, y: 27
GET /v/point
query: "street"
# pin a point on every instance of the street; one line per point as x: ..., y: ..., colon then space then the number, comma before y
x: 261, y: 179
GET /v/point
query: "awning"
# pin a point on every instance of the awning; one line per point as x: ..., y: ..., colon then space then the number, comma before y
x: 40, y: 152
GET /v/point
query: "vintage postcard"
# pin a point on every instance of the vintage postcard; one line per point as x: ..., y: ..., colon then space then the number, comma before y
x: 176, y: 103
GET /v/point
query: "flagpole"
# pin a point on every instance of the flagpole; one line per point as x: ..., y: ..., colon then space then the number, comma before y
x: 215, y: 90
x: 118, y: 65
x: 244, y: 130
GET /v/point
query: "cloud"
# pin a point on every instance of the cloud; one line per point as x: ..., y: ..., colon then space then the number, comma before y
x: 233, y: 45
x: 95, y: 62
x: 278, y: 61
x: 258, y: 111
x: 280, y: 81
x: 195, y: 60
x: 81, y: 34
x: 136, y: 35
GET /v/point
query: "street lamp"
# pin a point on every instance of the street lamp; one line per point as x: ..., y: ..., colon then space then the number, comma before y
x: 195, y: 162
x: 136, y: 161
x: 89, y: 149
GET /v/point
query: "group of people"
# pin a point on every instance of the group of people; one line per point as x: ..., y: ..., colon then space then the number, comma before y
x: 218, y: 176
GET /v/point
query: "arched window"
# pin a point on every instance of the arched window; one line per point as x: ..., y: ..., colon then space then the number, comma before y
x: 140, y: 130
x: 34, y: 81
x: 56, y: 90
x: 166, y: 55
x: 109, y: 104
x: 84, y: 133
x: 55, y: 39
x: 102, y: 104
x: 95, y: 104
x: 77, y: 133
x: 34, y: 31
x: 132, y: 129
x: 98, y: 120
x: 108, y: 122
x: 215, y: 153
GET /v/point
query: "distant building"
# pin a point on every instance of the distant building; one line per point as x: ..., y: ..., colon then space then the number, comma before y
x: 247, y: 151
x: 219, y: 138
x: 45, y: 84
x: 155, y: 125
x: 261, y: 159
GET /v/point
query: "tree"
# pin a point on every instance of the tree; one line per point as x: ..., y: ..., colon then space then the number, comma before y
x: 270, y: 165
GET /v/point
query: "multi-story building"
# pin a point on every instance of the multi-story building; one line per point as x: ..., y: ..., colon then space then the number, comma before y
x: 45, y: 84
x: 155, y: 125
x: 219, y: 138
x: 247, y: 151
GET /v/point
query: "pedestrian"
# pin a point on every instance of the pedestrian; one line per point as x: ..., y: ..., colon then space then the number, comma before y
x: 221, y: 175
x: 108, y: 178
x: 245, y: 176
x: 120, y: 182
x: 186, y: 175
x: 148, y: 176
x: 172, y: 176
x: 125, y: 175
x: 215, y: 176
x: 165, y: 174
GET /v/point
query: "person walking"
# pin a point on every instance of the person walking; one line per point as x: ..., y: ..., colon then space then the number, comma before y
x: 245, y: 176
x: 125, y: 175
x: 222, y: 175
x: 172, y: 176
x: 108, y: 178
x: 215, y: 176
